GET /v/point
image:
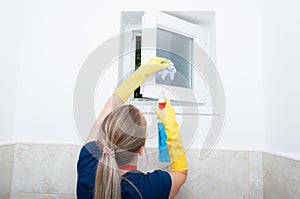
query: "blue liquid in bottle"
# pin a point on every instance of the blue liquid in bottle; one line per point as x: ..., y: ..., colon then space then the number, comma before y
x: 163, y: 152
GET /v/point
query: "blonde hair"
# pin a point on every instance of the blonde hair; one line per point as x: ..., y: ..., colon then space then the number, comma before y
x: 124, y: 131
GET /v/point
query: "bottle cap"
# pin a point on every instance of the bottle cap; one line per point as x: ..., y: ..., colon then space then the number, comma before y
x: 162, y: 100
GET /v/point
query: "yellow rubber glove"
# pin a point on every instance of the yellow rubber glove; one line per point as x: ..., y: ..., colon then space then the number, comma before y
x: 175, y: 146
x: 137, y: 78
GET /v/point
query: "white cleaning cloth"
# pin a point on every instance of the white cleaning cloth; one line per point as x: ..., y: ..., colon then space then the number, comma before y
x: 170, y: 71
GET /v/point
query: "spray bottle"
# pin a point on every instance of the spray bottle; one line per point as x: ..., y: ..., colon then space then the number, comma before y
x: 163, y: 155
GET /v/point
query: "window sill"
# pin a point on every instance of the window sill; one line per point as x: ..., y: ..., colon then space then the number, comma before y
x: 148, y: 106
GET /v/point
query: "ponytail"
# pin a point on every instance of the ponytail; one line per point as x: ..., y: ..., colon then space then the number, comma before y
x: 124, y: 130
x: 107, y: 178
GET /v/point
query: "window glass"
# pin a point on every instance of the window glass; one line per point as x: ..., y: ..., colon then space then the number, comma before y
x: 178, y: 49
x: 138, y: 42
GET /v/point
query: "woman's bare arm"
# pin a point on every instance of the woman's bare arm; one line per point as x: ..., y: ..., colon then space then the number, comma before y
x: 178, y: 179
x: 113, y: 102
x: 125, y: 89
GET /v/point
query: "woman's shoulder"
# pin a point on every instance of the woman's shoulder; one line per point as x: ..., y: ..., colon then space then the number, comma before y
x: 86, y: 169
x: 90, y: 149
x: 153, y: 174
x: 156, y: 184
x: 159, y: 174
x: 89, y: 156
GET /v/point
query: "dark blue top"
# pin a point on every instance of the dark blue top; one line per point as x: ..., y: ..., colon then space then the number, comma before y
x: 156, y: 184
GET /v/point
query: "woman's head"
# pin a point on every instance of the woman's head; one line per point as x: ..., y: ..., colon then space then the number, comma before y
x: 123, y: 131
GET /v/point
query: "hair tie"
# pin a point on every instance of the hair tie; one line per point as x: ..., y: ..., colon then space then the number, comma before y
x: 109, y: 151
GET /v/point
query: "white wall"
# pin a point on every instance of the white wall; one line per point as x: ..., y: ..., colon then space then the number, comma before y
x: 11, y: 20
x: 281, y: 76
x: 59, y: 35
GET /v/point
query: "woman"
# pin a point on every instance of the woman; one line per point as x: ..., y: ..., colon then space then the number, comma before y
x: 107, y: 162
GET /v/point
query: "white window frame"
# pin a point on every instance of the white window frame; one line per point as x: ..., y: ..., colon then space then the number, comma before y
x: 127, y: 64
x: 153, y: 19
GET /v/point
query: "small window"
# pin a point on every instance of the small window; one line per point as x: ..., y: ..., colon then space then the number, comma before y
x: 177, y: 40
x: 172, y: 38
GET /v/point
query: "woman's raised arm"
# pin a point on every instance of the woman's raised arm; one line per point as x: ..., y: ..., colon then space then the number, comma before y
x: 124, y: 90
x: 113, y: 102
